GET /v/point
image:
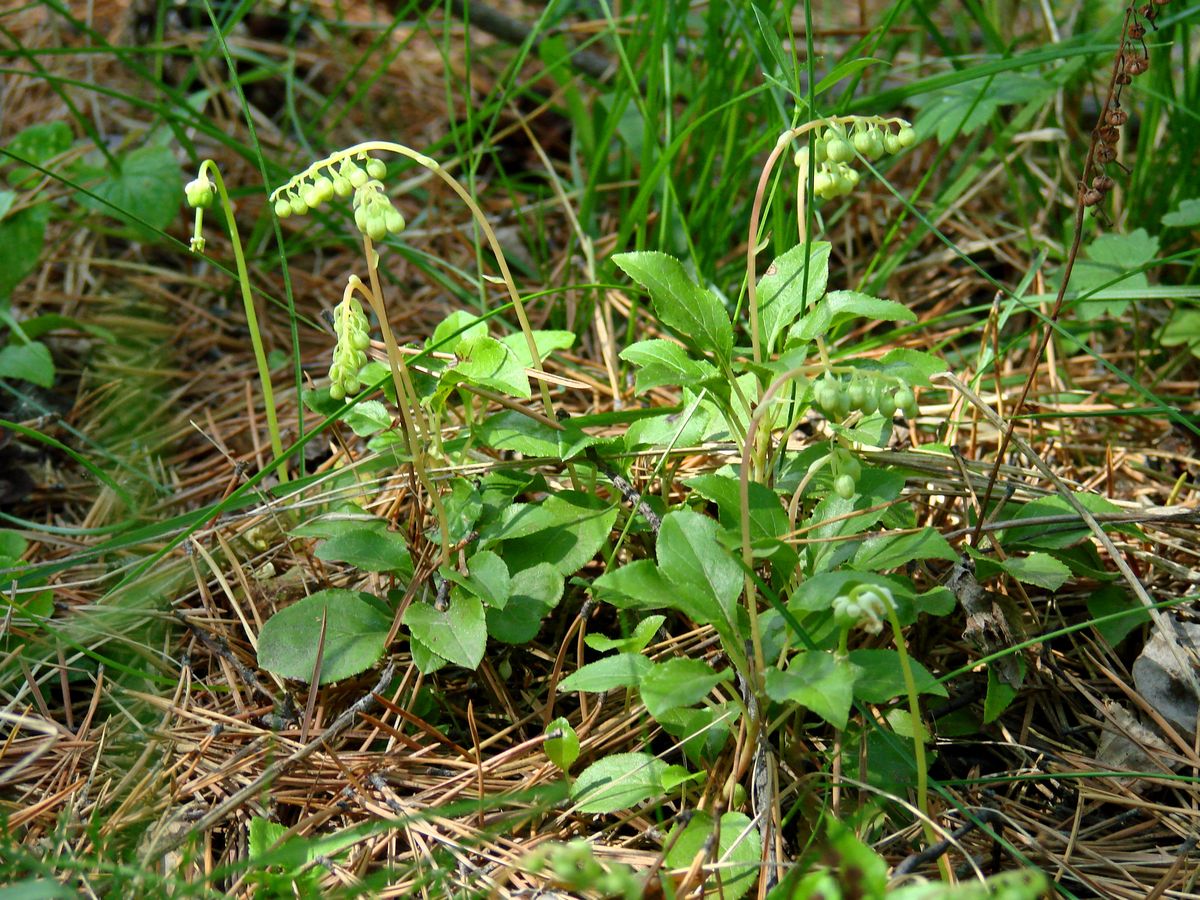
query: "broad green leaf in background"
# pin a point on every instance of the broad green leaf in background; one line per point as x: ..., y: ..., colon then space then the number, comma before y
x: 1186, y: 216
x: 890, y: 551
x: 545, y: 341
x: 618, y: 782
x: 370, y: 547
x: 1112, y: 599
x: 534, y: 593
x: 367, y: 418
x: 356, y: 625
x: 28, y: 362
x: 817, y: 681
x: 783, y: 295
x: 964, y: 108
x: 678, y: 682
x: 35, y: 144
x: 881, y: 677
x: 147, y: 188
x: 457, y: 633
x: 681, y: 304
x: 736, y: 856
x: 1182, y: 330
x: 566, y: 529
x: 1109, y: 257
x: 843, y: 306
x: 618, y: 670
x: 485, y: 361
x: 1037, y: 568
x: 21, y: 236
x: 636, y: 585
x: 662, y: 362
x: 642, y: 635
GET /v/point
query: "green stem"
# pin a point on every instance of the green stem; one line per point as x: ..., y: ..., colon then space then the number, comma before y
x: 914, y: 710
x: 260, y: 356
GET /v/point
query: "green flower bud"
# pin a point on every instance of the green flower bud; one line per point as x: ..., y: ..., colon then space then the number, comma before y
x: 299, y: 207
x: 887, y: 405
x: 844, y: 485
x: 819, y: 151
x: 312, y: 199
x: 871, y: 400
x: 838, y: 149
x: 336, y: 391
x: 863, y: 143
x: 858, y: 394
x: 354, y: 173
x: 360, y: 340
x: 376, y: 225
x: 822, y: 183
x: 341, y: 186
x: 199, y: 193
x: 360, y: 218
x: 826, y: 394
x: 283, y: 208
x: 375, y: 168
x: 907, y: 136
x: 906, y: 402
x: 891, y: 143
x: 393, y: 220
x: 323, y: 188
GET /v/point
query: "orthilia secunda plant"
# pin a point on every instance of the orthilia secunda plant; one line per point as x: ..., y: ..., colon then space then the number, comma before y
x: 201, y: 193
x: 356, y: 174
x: 827, y: 163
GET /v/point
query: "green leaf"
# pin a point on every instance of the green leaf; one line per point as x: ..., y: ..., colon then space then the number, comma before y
x: 12, y: 544
x: 21, y: 236
x: 783, y: 295
x: 691, y: 556
x: 1000, y: 694
x: 535, y: 592
x: 356, y: 626
x: 36, y: 144
x: 636, y: 585
x: 459, y: 633
x: 964, y: 108
x: 1186, y: 216
x: 681, y: 304
x: 146, y: 191
x: 881, y: 678
x: 1112, y: 599
x: 1062, y: 535
x: 843, y: 306
x: 914, y: 367
x: 642, y: 635
x: 564, y: 749
x: 426, y: 661
x: 845, y: 69
x: 566, y: 530
x: 890, y: 551
x: 513, y: 430
x: 7, y: 199
x: 372, y: 548
x: 459, y: 326
x: 678, y: 682
x: 1182, y: 329
x: 662, y: 362
x: 28, y: 362
x: 768, y: 518
x: 736, y: 857
x: 619, y: 670
x: 1111, y: 257
x: 817, y: 681
x: 486, y: 362
x: 1037, y: 568
x: 618, y: 782
x: 545, y: 341
x: 367, y: 417
x: 487, y: 579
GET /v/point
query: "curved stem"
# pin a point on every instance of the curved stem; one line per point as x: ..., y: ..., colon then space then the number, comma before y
x: 260, y: 356
x: 434, y: 166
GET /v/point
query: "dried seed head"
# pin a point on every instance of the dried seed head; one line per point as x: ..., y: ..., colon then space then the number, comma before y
x: 1117, y: 116
x: 1109, y: 134
x: 1103, y: 183
x: 1105, y: 153
x: 1137, y: 30
x: 1091, y: 197
x: 1123, y: 78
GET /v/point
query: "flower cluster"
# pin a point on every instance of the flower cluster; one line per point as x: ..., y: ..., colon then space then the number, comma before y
x: 349, y: 354
x: 1133, y: 60
x: 866, y: 606
x: 836, y: 149
x: 373, y: 211
x: 866, y: 392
